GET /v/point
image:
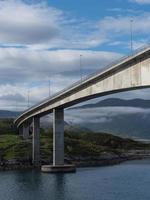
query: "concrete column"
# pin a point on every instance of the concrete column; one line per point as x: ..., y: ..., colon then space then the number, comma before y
x: 58, y: 137
x: 20, y: 131
x: 36, y: 141
x: 25, y: 130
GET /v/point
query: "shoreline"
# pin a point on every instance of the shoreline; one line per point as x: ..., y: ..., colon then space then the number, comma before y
x: 105, y: 163
x: 81, y: 163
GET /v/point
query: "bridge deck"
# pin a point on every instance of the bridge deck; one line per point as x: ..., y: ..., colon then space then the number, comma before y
x: 89, y: 78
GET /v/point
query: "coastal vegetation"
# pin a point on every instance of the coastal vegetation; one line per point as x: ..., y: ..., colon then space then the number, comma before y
x: 83, y: 147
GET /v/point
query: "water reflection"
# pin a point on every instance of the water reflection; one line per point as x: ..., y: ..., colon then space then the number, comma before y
x: 30, y: 178
x: 59, y: 186
x: 109, y: 183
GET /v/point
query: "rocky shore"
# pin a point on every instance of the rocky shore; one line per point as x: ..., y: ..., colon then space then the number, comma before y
x: 105, y: 159
x: 14, y: 164
x: 112, y: 159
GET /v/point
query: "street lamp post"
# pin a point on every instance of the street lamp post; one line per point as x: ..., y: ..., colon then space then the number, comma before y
x: 49, y: 88
x: 81, y: 67
x: 131, y: 35
x: 28, y: 98
x: 16, y: 108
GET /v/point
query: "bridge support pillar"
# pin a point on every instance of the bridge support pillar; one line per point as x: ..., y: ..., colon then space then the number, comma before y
x: 25, y: 130
x: 36, y: 141
x: 20, y: 130
x: 58, y: 146
x: 58, y: 137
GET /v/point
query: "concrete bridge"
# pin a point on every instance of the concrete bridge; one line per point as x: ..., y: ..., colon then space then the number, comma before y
x: 129, y: 73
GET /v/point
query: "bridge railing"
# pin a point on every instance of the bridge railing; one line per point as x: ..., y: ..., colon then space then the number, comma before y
x: 92, y: 75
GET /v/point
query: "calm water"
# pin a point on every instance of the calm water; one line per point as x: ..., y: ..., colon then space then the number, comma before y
x: 128, y: 181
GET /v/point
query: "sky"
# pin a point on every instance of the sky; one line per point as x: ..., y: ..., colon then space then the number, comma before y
x: 41, y: 43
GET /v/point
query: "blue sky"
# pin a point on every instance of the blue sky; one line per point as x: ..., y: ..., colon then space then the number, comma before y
x: 94, y: 9
x: 43, y: 40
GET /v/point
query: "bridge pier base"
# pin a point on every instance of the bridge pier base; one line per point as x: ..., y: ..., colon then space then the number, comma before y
x: 36, y: 141
x: 58, y: 145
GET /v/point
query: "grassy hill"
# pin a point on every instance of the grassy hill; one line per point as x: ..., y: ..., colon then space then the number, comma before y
x: 79, y: 146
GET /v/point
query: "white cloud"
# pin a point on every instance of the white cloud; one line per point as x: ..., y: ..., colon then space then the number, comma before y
x: 23, y: 69
x: 117, y: 28
x: 33, y: 28
x: 24, y: 65
x: 103, y: 114
x: 41, y: 26
x: 23, y: 23
x: 121, y: 24
x: 141, y: 1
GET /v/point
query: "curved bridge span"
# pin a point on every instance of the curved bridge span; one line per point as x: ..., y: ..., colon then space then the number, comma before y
x: 129, y: 73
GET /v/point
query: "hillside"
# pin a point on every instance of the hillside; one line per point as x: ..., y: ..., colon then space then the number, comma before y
x: 126, y: 118
x: 130, y: 125
x: 116, y: 102
x: 133, y: 117
x: 82, y: 148
x: 8, y: 114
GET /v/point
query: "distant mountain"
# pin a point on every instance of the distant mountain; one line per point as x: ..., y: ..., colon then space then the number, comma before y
x: 8, y: 114
x: 140, y: 103
x: 136, y: 125
x: 130, y: 125
x: 124, y: 123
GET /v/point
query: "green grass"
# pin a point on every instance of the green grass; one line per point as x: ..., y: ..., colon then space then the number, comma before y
x: 77, y: 144
x: 12, y: 146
